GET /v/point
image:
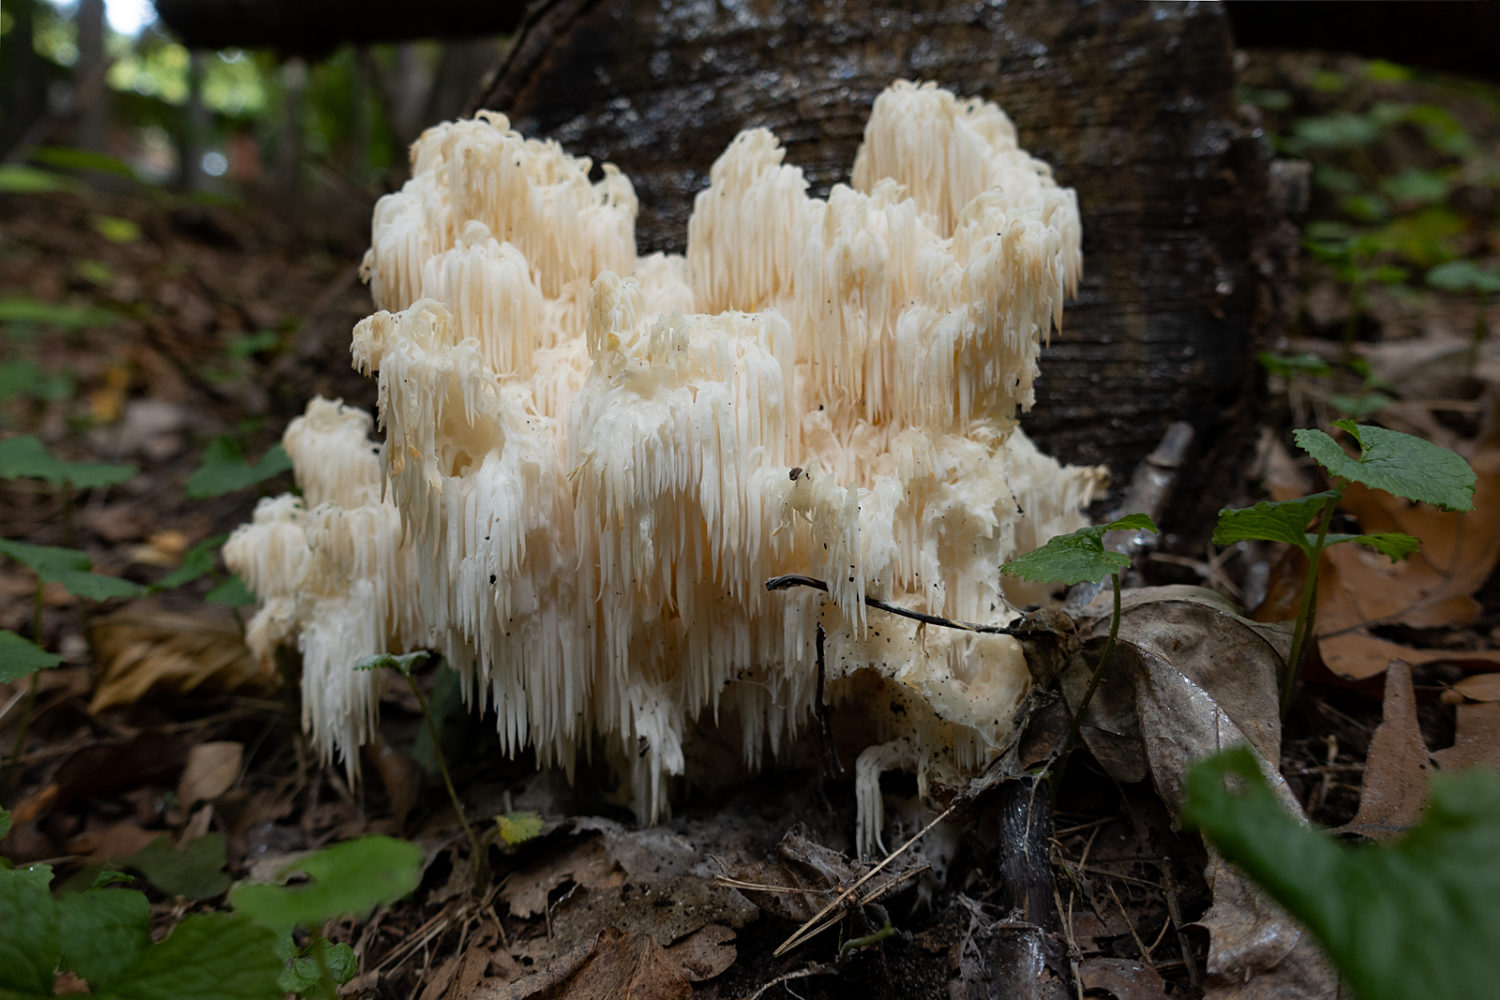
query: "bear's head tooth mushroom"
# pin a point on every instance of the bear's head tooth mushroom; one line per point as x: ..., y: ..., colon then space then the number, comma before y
x: 593, y: 461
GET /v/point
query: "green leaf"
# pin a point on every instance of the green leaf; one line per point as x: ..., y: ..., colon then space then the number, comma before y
x: 231, y: 592
x: 402, y: 663
x: 1464, y: 276
x: 1273, y: 521
x: 25, y: 457
x: 1402, y: 465
x: 1417, y: 185
x: 116, y: 229
x: 199, y: 560
x: 30, y: 939
x: 26, y: 379
x: 1341, y: 130
x: 194, y: 872
x: 303, y: 977
x: 103, y: 931
x: 249, y: 344
x: 1414, y: 917
x: 1079, y: 556
x: 518, y: 827
x: 18, y: 179
x: 1293, y: 364
x: 209, y: 956
x: 72, y: 158
x: 22, y: 309
x: 1394, y: 545
x: 70, y: 568
x: 1359, y: 406
x: 224, y: 469
x: 348, y: 878
x: 21, y: 657
x: 1382, y: 71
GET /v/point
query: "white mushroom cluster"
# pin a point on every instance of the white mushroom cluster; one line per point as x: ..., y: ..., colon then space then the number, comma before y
x: 593, y: 461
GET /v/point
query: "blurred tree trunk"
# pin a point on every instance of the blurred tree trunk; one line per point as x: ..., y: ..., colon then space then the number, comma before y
x: 88, y: 78
x: 24, y: 99
x: 192, y: 142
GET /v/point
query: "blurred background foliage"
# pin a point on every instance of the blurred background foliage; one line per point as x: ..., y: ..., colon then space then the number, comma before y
x: 106, y: 78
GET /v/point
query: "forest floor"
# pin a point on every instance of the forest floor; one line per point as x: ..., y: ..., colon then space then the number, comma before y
x: 219, y: 321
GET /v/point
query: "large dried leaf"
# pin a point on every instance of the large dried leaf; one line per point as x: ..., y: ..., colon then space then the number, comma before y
x: 1189, y: 677
x: 1359, y: 590
x: 1477, y: 741
x: 1394, y: 790
x: 141, y: 650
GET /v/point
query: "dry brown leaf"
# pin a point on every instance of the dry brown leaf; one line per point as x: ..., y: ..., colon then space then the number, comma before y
x: 211, y: 770
x: 615, y: 966
x: 1359, y: 589
x: 589, y: 864
x: 1480, y: 687
x: 140, y: 649
x: 113, y: 842
x: 1256, y: 951
x: 1477, y: 741
x: 1394, y: 790
x: 1122, y: 978
x: 705, y: 953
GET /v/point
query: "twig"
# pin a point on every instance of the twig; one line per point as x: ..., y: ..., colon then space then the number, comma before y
x: 790, y: 580
x: 816, y: 969
x: 803, y: 933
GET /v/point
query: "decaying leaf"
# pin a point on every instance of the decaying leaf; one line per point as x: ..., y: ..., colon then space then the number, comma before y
x: 1359, y: 590
x: 211, y: 770
x: 1191, y: 676
x: 1477, y: 741
x: 1394, y: 789
x: 1480, y: 687
x: 1122, y: 978
x: 140, y: 650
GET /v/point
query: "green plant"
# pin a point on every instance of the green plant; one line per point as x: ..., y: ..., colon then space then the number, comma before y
x: 1080, y: 557
x: 1414, y: 917
x: 348, y: 879
x: 103, y: 936
x: 403, y: 665
x: 25, y: 457
x: 1400, y: 464
x: 225, y: 469
x: 1464, y: 276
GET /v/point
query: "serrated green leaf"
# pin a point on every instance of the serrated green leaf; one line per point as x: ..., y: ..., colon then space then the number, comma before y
x: 103, y: 931
x: 209, y: 956
x: 518, y: 827
x: 303, y: 977
x: 1394, y: 545
x: 25, y: 457
x: 224, y: 469
x: 1079, y: 556
x: 194, y: 872
x: 20, y: 657
x: 349, y: 878
x: 403, y: 663
x: 30, y: 939
x: 70, y: 568
x: 231, y: 592
x: 1273, y: 521
x: 1414, y: 917
x: 198, y: 561
x: 1402, y: 465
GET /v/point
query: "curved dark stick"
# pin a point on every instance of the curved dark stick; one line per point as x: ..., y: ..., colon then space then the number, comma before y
x: 790, y: 580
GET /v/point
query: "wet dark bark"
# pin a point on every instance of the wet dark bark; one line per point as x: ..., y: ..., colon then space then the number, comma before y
x: 1132, y: 103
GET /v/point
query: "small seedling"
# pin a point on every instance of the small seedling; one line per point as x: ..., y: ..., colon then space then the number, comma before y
x: 1400, y: 464
x: 403, y: 665
x: 1080, y: 557
x: 1414, y: 917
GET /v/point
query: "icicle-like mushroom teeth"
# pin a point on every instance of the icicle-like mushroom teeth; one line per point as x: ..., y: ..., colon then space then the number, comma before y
x: 593, y: 461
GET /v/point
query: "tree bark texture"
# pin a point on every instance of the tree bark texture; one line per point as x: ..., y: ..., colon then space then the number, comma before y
x: 1132, y: 103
